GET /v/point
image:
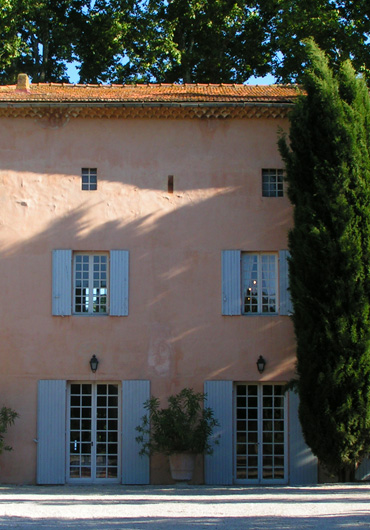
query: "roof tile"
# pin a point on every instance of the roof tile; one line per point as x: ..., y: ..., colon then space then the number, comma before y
x: 161, y: 93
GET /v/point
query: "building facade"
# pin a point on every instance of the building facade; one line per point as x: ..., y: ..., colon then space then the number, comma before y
x: 146, y: 226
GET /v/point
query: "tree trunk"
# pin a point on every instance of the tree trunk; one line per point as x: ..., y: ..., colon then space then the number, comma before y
x: 347, y: 474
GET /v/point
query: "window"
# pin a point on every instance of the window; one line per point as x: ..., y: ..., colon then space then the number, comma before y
x: 89, y: 179
x: 251, y: 282
x: 272, y: 183
x: 259, y: 283
x: 90, y: 275
x: 260, y: 433
x: 90, y: 283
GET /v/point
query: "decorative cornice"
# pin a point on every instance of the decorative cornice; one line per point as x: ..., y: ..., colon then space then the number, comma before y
x: 58, y: 115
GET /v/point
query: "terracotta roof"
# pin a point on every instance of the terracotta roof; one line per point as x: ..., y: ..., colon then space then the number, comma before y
x: 150, y: 94
x: 53, y: 104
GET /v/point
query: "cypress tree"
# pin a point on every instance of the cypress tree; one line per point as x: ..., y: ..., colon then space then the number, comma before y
x: 327, y: 157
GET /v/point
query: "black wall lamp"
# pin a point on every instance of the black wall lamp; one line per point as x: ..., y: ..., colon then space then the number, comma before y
x: 94, y: 364
x: 261, y: 363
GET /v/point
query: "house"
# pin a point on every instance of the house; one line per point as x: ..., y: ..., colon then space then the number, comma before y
x: 145, y: 227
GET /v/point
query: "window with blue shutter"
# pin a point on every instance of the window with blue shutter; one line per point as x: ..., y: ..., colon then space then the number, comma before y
x: 286, y: 307
x: 231, y: 283
x: 86, y: 283
x: 250, y: 282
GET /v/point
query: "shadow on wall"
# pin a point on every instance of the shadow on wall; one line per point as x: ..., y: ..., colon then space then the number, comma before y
x: 175, y: 284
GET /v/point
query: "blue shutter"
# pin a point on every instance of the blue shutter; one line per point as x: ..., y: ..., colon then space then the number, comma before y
x: 363, y: 471
x: 303, y: 464
x: 231, y: 282
x: 51, y: 432
x: 286, y: 307
x: 62, y: 282
x: 135, y: 468
x: 219, y: 465
x: 119, y: 282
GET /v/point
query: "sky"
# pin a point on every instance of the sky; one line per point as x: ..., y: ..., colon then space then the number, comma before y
x: 267, y: 80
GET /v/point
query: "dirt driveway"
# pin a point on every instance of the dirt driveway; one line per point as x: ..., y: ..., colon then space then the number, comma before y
x: 184, y: 508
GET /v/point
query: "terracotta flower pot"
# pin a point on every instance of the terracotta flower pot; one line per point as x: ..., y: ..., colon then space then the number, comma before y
x: 182, y: 466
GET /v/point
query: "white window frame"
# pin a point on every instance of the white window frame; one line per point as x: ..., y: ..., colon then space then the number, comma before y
x: 258, y: 278
x: 94, y: 429
x: 272, y: 182
x: 91, y: 286
x: 260, y: 430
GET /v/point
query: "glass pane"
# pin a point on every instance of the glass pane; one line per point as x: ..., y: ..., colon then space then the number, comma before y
x: 241, y: 449
x: 241, y: 401
x: 102, y: 401
x: 252, y: 401
x: 250, y: 282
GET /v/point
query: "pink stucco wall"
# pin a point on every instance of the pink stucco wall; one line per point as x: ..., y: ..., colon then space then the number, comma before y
x: 175, y: 334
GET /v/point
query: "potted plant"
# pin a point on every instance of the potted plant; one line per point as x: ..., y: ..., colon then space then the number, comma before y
x: 7, y: 417
x: 181, y: 430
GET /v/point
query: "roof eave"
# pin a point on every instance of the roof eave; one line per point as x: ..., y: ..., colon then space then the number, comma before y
x: 141, y: 104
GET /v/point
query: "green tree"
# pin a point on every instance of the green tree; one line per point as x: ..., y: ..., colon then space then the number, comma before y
x: 175, y: 41
x: 340, y: 27
x: 7, y: 418
x: 108, y: 33
x: 328, y: 172
x: 42, y: 35
x: 9, y: 38
x: 201, y: 40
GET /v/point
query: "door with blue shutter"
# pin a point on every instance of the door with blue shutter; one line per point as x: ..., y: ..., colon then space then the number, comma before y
x: 261, y: 448
x: 51, y: 432
x: 135, y: 468
x: 93, y: 432
x: 219, y: 465
x: 303, y: 464
x: 363, y: 470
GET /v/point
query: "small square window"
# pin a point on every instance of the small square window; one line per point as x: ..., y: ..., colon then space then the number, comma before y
x: 272, y: 183
x: 89, y: 179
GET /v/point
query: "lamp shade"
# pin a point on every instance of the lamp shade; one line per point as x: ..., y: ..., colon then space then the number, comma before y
x: 94, y: 363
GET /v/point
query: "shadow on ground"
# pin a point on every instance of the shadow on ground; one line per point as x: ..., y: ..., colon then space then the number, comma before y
x: 256, y: 523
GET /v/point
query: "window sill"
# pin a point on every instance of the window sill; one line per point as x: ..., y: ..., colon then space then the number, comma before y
x: 260, y: 314
x: 90, y: 315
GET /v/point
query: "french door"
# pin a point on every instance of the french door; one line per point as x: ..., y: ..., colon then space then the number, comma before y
x: 93, y: 446
x: 260, y: 434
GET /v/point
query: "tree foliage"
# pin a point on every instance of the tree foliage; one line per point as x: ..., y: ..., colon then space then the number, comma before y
x: 177, y: 40
x: 202, y: 40
x: 341, y: 28
x: 7, y: 418
x: 328, y: 173
x: 43, y: 35
x: 184, y: 426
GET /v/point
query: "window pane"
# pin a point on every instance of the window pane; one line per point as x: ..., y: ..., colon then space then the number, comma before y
x: 89, y: 179
x: 272, y: 183
x: 259, y: 283
x: 250, y: 283
x: 268, y: 268
x: 90, y: 283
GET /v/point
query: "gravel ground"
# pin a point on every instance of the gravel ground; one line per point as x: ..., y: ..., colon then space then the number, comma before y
x: 184, y: 507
